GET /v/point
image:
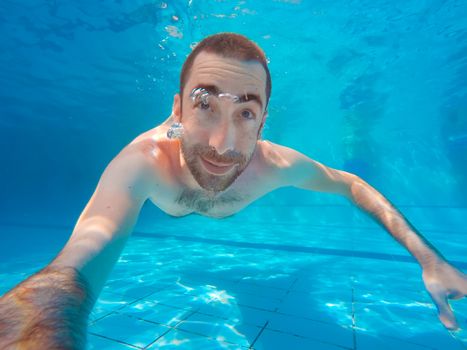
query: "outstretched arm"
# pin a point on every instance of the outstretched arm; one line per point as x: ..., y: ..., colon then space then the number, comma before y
x: 441, y: 279
x: 49, y: 310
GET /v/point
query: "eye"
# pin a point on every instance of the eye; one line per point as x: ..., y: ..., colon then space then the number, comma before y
x: 247, y: 114
x: 204, y: 105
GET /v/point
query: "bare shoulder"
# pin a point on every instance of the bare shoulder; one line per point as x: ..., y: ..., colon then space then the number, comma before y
x: 149, y: 148
x: 296, y: 169
x: 276, y: 161
x: 279, y: 156
x: 141, y: 163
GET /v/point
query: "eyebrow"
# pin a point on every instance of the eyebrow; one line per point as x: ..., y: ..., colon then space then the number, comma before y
x: 213, y: 89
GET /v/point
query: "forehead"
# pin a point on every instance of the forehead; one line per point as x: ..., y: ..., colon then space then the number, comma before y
x: 229, y: 75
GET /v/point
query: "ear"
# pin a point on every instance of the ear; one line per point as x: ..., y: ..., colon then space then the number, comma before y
x: 261, y: 127
x: 177, y: 108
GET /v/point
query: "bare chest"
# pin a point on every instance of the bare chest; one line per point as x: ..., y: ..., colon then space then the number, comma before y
x: 226, y: 204
x: 185, y: 201
x: 179, y: 201
x: 176, y: 200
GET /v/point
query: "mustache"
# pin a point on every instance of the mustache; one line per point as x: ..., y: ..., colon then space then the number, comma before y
x: 211, y: 154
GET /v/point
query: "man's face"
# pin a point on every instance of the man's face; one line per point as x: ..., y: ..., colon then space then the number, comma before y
x: 220, y: 131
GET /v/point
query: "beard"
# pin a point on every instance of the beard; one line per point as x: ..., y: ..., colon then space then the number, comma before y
x: 208, y: 181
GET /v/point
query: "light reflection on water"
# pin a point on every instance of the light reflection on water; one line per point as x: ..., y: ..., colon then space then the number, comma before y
x: 213, y: 286
x: 218, y: 296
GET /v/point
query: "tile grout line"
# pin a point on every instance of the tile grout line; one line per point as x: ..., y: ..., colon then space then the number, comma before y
x: 317, y: 340
x: 93, y: 322
x: 171, y: 328
x: 114, y: 311
x: 197, y: 311
x: 287, y: 292
x: 197, y: 333
x: 292, y: 285
x: 258, y: 335
x: 280, y: 223
x: 275, y: 311
x: 354, y: 336
x: 293, y: 248
x: 115, y: 340
x: 354, y: 323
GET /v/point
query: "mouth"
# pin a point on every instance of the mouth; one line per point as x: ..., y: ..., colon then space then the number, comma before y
x: 216, y: 168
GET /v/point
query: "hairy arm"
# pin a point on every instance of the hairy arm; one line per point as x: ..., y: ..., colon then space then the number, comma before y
x: 442, y: 280
x: 49, y: 310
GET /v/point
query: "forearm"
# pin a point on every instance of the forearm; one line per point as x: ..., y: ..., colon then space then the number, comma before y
x: 49, y: 310
x: 93, y: 250
x: 375, y: 204
x: 98, y: 240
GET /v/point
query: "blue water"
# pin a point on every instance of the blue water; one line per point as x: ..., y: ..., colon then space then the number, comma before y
x: 377, y: 88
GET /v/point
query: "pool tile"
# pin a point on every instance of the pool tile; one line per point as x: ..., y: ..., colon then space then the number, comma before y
x: 141, y: 290
x: 273, y: 279
x: 225, y: 310
x: 333, y: 307
x: 263, y: 303
x: 206, y: 285
x: 312, y: 284
x: 168, y: 297
x: 127, y: 329
x: 259, y: 290
x: 371, y: 342
x: 391, y: 295
x: 414, y: 323
x: 209, y: 279
x: 318, y: 331
x: 155, y: 312
x: 230, y: 331
x: 389, y: 299
x: 271, y: 340
x: 106, y: 304
x: 324, y: 267
x: 253, y: 316
x: 181, y: 340
x: 99, y: 343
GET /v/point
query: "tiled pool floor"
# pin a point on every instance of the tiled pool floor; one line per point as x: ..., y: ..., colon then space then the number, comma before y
x: 167, y: 292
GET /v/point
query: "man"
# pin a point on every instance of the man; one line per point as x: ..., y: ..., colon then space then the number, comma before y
x: 206, y: 158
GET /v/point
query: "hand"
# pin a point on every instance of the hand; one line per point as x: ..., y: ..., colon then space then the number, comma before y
x: 443, y: 282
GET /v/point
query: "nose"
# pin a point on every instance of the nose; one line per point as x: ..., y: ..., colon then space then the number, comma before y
x: 223, y: 137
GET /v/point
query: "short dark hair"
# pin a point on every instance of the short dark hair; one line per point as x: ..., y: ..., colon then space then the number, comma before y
x: 228, y: 45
